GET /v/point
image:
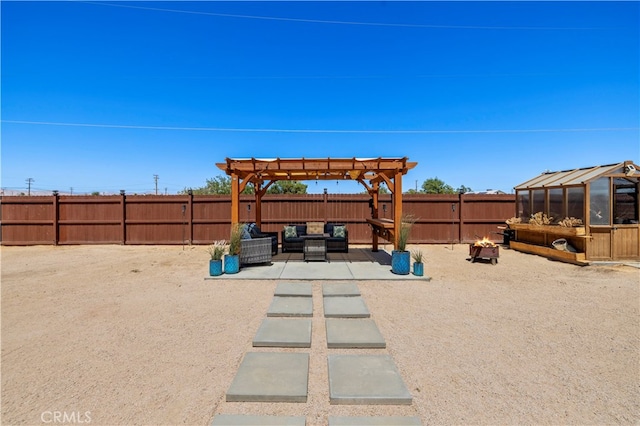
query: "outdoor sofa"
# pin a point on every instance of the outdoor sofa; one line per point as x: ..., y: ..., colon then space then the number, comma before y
x: 337, y: 240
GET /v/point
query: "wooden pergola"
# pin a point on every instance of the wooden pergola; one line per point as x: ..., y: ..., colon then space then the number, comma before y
x: 370, y: 172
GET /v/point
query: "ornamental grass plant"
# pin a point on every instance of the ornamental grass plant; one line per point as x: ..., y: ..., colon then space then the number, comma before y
x: 416, y: 255
x: 406, y: 224
x: 234, y: 239
x: 216, y: 250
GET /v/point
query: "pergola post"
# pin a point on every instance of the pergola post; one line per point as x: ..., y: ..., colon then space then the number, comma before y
x: 235, y: 199
x: 258, y: 194
x: 397, y: 207
x: 375, y: 196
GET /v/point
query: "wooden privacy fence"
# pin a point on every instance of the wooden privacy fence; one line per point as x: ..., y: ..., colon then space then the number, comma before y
x: 201, y: 219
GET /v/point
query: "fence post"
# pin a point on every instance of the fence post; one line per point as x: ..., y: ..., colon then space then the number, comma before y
x: 56, y: 219
x: 460, y: 211
x: 190, y: 216
x: 123, y: 222
x: 325, y: 206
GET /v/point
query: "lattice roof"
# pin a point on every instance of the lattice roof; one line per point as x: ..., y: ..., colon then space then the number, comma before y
x: 358, y: 169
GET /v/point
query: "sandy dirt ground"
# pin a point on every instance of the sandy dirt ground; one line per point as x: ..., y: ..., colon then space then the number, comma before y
x: 135, y: 335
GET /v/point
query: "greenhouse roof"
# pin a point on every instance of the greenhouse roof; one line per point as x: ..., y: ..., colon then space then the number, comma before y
x: 579, y: 176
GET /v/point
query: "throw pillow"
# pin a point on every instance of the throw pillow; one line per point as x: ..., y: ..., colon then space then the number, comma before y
x: 290, y: 232
x: 315, y: 228
x: 339, y: 231
x: 245, y: 233
x: 254, y: 230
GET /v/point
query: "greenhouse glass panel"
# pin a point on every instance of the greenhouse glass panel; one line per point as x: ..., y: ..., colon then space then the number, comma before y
x: 599, y: 208
x: 625, y: 203
x: 575, y: 203
x: 556, y: 205
x: 524, y: 211
x: 537, y: 203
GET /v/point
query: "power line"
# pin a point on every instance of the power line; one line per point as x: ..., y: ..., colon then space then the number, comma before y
x: 352, y: 131
x: 333, y: 22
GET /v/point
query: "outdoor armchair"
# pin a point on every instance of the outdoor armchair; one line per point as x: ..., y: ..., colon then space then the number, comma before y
x: 255, y: 250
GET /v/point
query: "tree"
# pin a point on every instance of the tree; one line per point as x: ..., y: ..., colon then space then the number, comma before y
x: 464, y: 189
x: 382, y: 189
x: 436, y: 186
x: 221, y: 185
x: 287, y: 187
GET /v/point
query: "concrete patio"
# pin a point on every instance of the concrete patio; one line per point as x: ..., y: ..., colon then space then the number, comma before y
x: 358, y: 264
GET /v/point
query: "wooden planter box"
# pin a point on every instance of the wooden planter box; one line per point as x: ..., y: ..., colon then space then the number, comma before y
x: 536, y: 239
x: 560, y: 231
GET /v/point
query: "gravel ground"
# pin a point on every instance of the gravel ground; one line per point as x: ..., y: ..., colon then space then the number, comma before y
x: 135, y: 335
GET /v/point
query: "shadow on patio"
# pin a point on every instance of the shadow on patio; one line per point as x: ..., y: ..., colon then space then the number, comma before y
x: 354, y: 255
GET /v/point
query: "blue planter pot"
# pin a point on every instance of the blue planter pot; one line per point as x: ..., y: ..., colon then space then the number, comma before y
x: 400, y: 262
x: 418, y: 269
x: 215, y: 267
x: 231, y: 264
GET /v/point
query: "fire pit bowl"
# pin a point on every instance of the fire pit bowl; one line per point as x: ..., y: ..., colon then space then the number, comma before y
x: 482, y: 252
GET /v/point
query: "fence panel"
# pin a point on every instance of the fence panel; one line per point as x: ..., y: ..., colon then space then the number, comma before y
x: 156, y: 219
x: 481, y: 215
x: 90, y: 220
x: 211, y: 218
x: 27, y: 220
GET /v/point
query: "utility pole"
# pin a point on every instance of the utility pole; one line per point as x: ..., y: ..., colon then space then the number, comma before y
x: 71, y: 190
x: 155, y: 178
x: 29, y: 182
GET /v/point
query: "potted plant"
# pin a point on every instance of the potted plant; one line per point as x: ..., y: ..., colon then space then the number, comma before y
x: 418, y: 266
x: 401, y: 258
x: 216, y: 251
x: 232, y: 258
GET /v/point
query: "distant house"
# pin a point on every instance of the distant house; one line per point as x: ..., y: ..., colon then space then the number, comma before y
x: 487, y: 192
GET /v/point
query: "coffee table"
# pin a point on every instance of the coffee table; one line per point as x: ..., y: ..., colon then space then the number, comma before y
x: 315, y: 247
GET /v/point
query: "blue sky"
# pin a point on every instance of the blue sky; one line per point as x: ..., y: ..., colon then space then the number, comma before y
x: 481, y: 94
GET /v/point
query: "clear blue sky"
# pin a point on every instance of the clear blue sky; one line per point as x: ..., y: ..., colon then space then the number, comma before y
x: 485, y: 95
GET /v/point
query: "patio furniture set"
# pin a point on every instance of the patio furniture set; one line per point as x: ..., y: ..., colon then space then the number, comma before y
x: 313, y: 239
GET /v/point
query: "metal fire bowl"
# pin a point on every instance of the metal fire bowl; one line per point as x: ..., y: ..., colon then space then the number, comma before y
x: 491, y: 253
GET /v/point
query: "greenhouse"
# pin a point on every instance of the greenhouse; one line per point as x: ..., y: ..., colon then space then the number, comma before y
x: 580, y: 215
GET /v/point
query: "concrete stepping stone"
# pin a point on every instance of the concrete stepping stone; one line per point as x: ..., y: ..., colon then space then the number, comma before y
x: 374, y: 421
x: 353, y: 333
x: 271, y: 377
x: 340, y: 289
x: 294, y: 289
x: 284, y: 333
x: 345, y: 307
x: 366, y: 379
x: 245, y: 420
x: 290, y: 307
